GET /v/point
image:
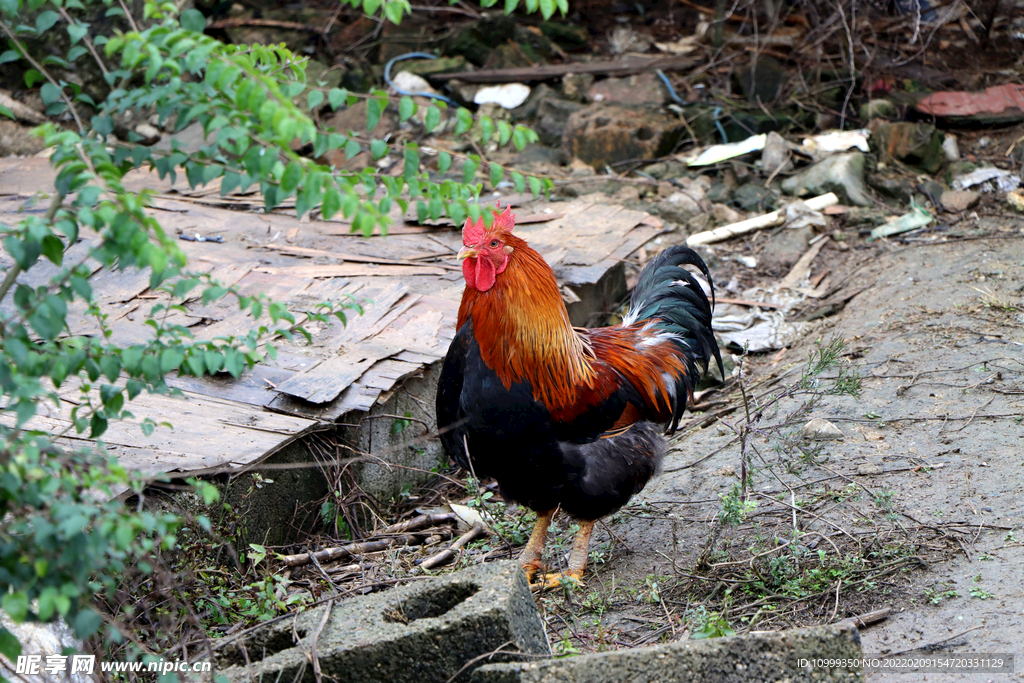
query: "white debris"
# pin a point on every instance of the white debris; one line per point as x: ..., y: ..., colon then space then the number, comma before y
x: 716, y: 153
x: 507, y: 95
x: 411, y: 83
x: 799, y: 215
x: 990, y: 179
x: 820, y: 429
x: 950, y: 147
x: 819, y: 146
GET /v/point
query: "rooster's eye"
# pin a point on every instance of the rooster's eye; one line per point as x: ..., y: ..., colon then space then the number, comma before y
x: 494, y: 244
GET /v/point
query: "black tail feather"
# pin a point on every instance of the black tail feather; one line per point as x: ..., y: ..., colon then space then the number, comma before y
x: 670, y: 293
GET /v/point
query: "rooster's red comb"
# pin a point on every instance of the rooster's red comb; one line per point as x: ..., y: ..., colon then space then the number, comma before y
x: 473, y: 232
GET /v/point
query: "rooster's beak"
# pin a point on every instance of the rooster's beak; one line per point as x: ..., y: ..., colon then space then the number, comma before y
x: 467, y: 252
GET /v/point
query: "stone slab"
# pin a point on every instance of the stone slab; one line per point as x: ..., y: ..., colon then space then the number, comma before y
x: 424, y: 632
x: 750, y: 657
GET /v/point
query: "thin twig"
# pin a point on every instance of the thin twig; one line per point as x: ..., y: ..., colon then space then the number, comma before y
x: 447, y: 555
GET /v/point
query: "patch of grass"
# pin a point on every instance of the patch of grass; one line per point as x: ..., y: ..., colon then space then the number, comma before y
x: 936, y: 593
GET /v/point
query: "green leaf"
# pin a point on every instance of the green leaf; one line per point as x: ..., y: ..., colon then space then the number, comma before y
x: 110, y: 365
x: 9, y: 645
x: 32, y: 77
x: 535, y: 186
x: 77, y: 32
x: 314, y: 99
x: 406, y: 108
x: 87, y: 623
x: 510, y: 6
x: 444, y: 162
x: 519, y: 181
x: 431, y: 119
x: 393, y: 11
x: 371, y: 6
x: 332, y: 202
x: 231, y: 181
x: 378, y: 148
x: 104, y: 125
x: 170, y: 359
x: 192, y: 20
x: 10, y: 8
x: 53, y: 249
x: 50, y: 93
x: 468, y: 171
x: 16, y: 606
x: 351, y: 149
x: 547, y: 8
x: 336, y: 97
x: 504, y: 133
x: 7, y: 112
x: 45, y: 20
x: 9, y: 56
x: 497, y: 173
x: 464, y: 121
x: 373, y: 112
x: 486, y: 128
x: 291, y: 177
x: 519, y: 138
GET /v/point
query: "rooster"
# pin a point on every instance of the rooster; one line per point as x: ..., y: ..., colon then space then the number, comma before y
x: 564, y: 417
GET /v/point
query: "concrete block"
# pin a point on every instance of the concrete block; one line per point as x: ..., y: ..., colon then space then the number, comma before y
x: 423, y: 632
x: 751, y: 657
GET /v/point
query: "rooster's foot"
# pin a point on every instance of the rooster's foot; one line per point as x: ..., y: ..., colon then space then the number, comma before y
x: 558, y: 580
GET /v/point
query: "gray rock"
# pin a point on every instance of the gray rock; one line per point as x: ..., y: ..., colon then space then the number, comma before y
x: 575, y: 86
x: 538, y: 158
x: 897, y: 188
x: 718, y: 192
x: 679, y: 207
x: 841, y: 173
x: 759, y: 656
x: 865, y: 470
x: 42, y: 640
x: 959, y: 200
x: 820, y: 429
x: 552, y: 115
x: 424, y: 632
x: 17, y: 139
x: 783, y: 247
x: 753, y: 197
x: 633, y: 91
x: 775, y: 155
x: 529, y: 109
x: 601, y: 135
x: 667, y: 170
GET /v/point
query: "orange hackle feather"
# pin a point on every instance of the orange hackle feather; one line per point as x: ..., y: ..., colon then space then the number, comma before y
x: 523, y: 330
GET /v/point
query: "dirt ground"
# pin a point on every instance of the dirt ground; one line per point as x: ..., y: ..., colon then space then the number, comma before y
x: 919, y: 508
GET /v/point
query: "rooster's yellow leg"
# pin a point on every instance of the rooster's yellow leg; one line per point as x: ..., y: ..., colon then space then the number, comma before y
x: 534, y: 550
x: 577, y: 558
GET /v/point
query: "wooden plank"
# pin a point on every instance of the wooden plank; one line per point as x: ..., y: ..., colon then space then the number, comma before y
x: 377, y: 303
x: 620, y: 67
x: 255, y: 387
x: 354, y: 270
x: 342, y: 256
x: 327, y: 380
x: 242, y: 433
